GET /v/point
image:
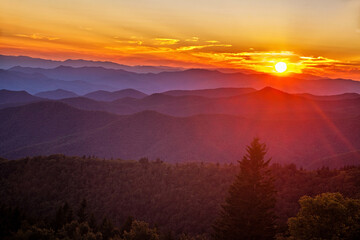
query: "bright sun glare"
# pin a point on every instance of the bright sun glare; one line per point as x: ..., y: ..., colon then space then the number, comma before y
x: 280, y: 67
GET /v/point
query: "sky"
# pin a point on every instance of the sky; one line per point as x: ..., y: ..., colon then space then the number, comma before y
x: 320, y: 37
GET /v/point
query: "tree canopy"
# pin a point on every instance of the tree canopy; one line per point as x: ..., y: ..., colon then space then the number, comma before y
x: 326, y: 216
x: 178, y: 198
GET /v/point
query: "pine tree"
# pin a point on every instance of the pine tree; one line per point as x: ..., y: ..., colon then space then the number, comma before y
x: 82, y: 212
x: 59, y: 219
x: 92, y: 223
x: 107, y: 229
x: 63, y: 216
x: 126, y: 227
x: 248, y: 212
x: 68, y: 213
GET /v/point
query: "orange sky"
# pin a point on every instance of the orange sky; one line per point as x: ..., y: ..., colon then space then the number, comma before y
x: 319, y: 37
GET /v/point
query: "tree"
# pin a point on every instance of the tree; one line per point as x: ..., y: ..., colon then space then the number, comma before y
x: 92, y: 222
x: 141, y: 231
x: 326, y: 216
x: 63, y: 215
x: 34, y: 232
x: 10, y: 220
x: 197, y: 237
x: 107, y: 229
x: 126, y: 227
x: 144, y: 160
x: 76, y: 230
x: 248, y: 212
x: 82, y: 212
x: 168, y: 235
x: 68, y: 213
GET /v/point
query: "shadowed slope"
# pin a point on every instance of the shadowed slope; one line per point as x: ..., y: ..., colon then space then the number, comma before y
x: 56, y: 94
x: 50, y: 127
x: 112, y: 96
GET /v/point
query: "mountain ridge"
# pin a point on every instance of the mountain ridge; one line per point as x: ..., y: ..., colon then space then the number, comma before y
x: 107, y: 96
x: 52, y: 127
x: 7, y: 61
x: 56, y: 94
x: 191, y: 79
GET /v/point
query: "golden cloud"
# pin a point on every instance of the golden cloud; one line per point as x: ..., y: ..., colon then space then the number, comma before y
x: 138, y: 42
x: 264, y: 62
x: 189, y: 48
x: 193, y: 39
x: 165, y: 41
x: 212, y: 41
x: 37, y: 36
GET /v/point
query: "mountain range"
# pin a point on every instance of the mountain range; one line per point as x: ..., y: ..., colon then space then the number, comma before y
x: 48, y: 127
x: 112, y: 96
x: 83, y: 79
x: 97, y: 108
x: 86, y: 79
x: 7, y: 62
x: 56, y: 94
x: 267, y: 103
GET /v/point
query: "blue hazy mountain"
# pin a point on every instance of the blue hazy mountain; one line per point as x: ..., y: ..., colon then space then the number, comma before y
x: 56, y: 94
x: 89, y: 79
x: 107, y: 96
x: 7, y: 62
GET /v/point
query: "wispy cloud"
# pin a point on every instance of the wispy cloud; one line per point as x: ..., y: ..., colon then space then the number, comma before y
x: 37, y: 36
x: 213, y: 53
x: 126, y: 41
x: 189, y: 48
x: 164, y: 44
x: 263, y: 61
x: 138, y: 42
x: 193, y: 39
x: 138, y: 49
x: 165, y: 41
x: 212, y: 41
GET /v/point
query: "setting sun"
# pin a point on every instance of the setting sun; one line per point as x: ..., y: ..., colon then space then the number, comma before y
x: 280, y: 67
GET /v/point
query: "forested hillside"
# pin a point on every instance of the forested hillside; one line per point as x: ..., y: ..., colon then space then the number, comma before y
x: 183, y: 198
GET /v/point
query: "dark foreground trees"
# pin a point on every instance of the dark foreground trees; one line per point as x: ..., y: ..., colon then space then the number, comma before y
x: 177, y: 198
x: 326, y: 216
x: 16, y: 225
x: 248, y: 212
x: 141, y: 231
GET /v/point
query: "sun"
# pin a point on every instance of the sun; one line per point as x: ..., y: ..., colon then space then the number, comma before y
x: 280, y: 67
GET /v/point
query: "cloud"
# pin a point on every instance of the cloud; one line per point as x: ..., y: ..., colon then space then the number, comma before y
x: 212, y: 41
x: 138, y: 42
x: 213, y: 53
x: 264, y: 61
x: 37, y: 36
x: 189, y: 48
x: 138, y: 49
x: 132, y: 40
x: 165, y: 41
x: 193, y: 39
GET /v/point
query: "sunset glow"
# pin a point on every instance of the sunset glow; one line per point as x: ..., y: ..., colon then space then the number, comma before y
x: 168, y: 119
x: 183, y: 34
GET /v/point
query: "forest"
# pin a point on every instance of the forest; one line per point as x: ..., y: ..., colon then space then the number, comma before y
x: 169, y: 201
